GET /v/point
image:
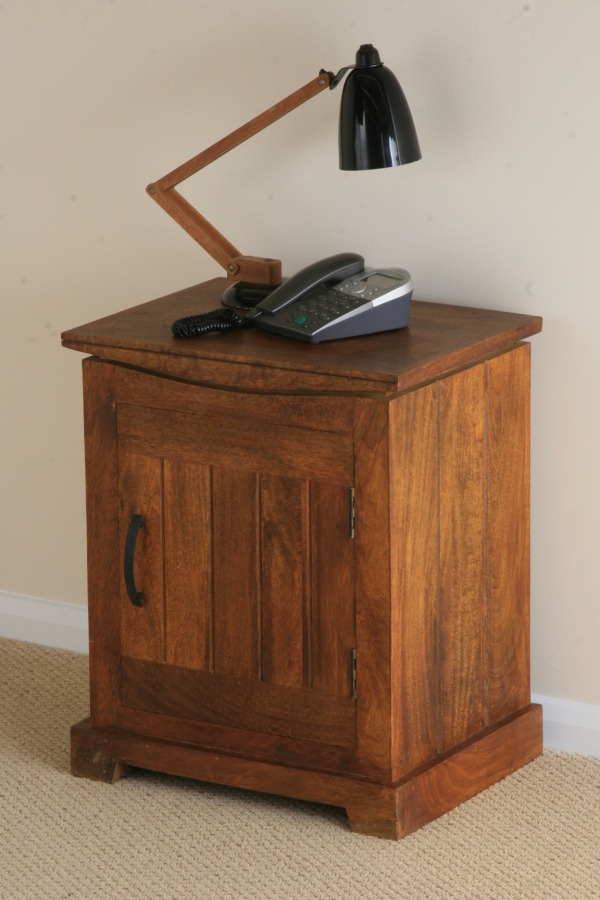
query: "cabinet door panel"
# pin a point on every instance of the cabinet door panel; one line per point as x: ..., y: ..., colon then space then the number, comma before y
x: 239, y: 703
x: 236, y: 585
x: 284, y: 558
x: 248, y: 576
x: 188, y: 564
x: 140, y: 493
x: 237, y: 443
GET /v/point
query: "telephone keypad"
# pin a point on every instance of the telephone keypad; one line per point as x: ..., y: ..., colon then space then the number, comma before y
x: 319, y: 306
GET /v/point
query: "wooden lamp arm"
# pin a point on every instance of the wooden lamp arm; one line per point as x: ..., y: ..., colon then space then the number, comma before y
x: 254, y: 269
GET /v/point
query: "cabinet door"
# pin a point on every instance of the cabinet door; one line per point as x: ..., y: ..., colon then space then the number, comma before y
x: 245, y: 563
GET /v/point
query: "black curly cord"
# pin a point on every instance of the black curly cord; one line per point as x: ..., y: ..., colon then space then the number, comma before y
x: 217, y: 320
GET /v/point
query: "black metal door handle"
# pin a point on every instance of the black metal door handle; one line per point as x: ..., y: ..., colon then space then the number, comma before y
x: 132, y: 532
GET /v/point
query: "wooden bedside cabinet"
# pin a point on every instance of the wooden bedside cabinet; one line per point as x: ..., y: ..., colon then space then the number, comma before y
x: 309, y: 564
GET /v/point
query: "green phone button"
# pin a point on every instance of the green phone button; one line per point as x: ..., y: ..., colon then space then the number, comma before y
x: 300, y: 320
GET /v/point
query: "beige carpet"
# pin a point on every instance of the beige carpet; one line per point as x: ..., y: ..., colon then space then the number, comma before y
x: 152, y: 837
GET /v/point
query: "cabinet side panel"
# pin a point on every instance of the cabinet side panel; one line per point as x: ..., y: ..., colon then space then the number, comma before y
x: 283, y: 558
x: 413, y: 440
x: 332, y: 593
x: 140, y: 493
x: 236, y: 609
x: 507, y: 627
x: 373, y: 591
x: 100, y: 427
x: 188, y: 564
x: 461, y: 598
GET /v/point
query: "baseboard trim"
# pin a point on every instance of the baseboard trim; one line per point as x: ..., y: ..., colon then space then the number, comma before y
x: 568, y: 725
x: 48, y: 622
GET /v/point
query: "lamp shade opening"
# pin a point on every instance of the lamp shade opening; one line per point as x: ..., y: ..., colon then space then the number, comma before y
x: 376, y: 126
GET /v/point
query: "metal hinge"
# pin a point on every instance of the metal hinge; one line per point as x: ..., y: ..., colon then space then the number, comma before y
x: 351, y: 505
x: 353, y: 674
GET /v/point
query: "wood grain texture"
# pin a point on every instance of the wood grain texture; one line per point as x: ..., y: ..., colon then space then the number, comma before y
x: 256, y: 269
x: 382, y: 810
x: 236, y: 576
x: 440, y: 338
x: 284, y: 592
x: 374, y: 623
x: 315, y: 413
x: 507, y: 621
x: 470, y: 768
x: 375, y: 814
x: 104, y: 574
x: 414, y: 571
x: 236, y: 443
x: 332, y: 588
x: 461, y: 523
x: 239, y: 702
x: 284, y: 560
x: 188, y: 564
x: 240, y: 742
x: 140, y: 493
x: 89, y: 761
x: 207, y: 373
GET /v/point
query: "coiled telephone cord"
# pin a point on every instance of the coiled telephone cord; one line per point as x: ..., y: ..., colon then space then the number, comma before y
x: 217, y: 320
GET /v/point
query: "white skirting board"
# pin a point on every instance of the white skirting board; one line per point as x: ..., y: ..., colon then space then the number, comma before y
x: 49, y: 622
x: 570, y: 726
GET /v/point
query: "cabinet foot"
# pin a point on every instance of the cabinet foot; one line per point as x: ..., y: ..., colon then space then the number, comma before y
x: 91, y: 757
x: 377, y: 818
x: 379, y: 809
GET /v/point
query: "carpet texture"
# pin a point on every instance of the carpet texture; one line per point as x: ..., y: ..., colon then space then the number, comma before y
x: 153, y: 837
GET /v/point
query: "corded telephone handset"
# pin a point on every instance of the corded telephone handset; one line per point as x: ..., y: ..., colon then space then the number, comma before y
x: 336, y: 297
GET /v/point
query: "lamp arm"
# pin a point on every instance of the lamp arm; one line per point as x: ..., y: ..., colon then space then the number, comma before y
x: 257, y: 270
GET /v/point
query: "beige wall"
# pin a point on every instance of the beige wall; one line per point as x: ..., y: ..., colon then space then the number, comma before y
x: 503, y: 211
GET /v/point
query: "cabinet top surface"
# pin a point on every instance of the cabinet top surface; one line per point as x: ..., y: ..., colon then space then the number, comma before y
x: 439, y: 337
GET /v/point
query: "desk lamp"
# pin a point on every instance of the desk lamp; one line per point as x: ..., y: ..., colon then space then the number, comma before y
x: 376, y: 130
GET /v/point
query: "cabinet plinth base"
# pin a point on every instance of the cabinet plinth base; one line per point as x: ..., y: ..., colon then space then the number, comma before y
x: 387, y: 810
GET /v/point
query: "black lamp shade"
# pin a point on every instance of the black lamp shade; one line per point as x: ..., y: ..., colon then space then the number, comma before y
x: 376, y: 127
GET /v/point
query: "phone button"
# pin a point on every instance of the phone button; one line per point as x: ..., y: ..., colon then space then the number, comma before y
x: 300, y: 320
x: 357, y: 288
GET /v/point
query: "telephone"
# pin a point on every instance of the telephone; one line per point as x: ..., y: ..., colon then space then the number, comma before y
x: 336, y: 297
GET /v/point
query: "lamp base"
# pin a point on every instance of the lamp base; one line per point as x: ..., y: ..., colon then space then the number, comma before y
x: 245, y: 295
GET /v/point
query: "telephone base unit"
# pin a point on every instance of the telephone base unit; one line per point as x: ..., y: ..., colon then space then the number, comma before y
x: 308, y: 566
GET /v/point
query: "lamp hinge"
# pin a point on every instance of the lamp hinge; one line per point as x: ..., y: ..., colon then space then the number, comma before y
x: 351, y: 508
x: 353, y: 674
